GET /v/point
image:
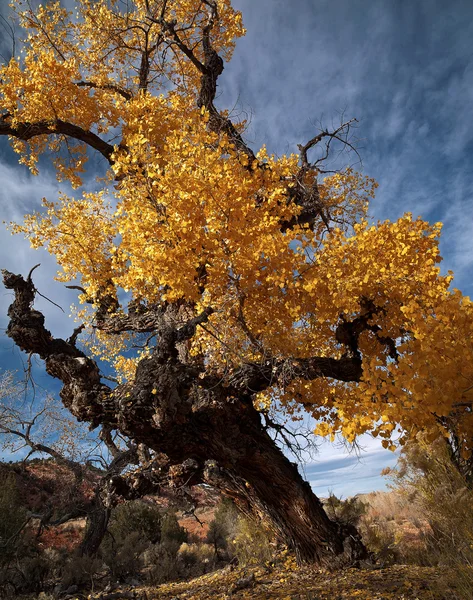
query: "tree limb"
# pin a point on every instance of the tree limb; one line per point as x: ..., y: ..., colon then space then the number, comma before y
x: 26, y: 131
x: 106, y: 86
x: 83, y: 392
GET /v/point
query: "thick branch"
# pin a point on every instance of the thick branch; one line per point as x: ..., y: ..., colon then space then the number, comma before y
x: 106, y: 86
x: 257, y: 377
x: 210, y: 70
x: 146, y: 321
x: 348, y: 332
x: 159, y: 477
x: 123, y: 459
x: 83, y: 392
x: 151, y: 319
x: 27, y: 131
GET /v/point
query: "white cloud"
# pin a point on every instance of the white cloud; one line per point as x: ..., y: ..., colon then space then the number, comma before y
x: 21, y: 192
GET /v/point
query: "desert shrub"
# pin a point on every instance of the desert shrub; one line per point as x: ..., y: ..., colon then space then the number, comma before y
x: 394, y: 528
x: 134, y: 527
x: 13, y: 518
x: 141, y: 535
x: 376, y: 519
x: 162, y: 560
x: 137, y: 517
x: 124, y: 555
x: 252, y: 543
x: 162, y: 563
x: 379, y: 536
x: 22, y: 567
x: 191, y: 560
x: 347, y: 512
x: 427, y: 476
x: 80, y: 571
x: 196, y: 559
x: 223, y: 528
x: 172, y: 534
x: 233, y: 535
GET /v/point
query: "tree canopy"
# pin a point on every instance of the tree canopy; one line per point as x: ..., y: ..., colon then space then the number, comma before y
x: 188, y: 214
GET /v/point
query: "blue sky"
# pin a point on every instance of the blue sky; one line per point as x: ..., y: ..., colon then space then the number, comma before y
x: 404, y: 69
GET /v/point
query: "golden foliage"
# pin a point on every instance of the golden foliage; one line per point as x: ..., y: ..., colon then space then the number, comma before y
x: 184, y: 216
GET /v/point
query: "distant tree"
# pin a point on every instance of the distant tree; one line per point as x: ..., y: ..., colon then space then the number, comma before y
x: 42, y: 428
x: 255, y: 283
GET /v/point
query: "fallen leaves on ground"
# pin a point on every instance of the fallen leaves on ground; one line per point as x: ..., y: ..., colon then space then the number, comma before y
x: 287, y: 582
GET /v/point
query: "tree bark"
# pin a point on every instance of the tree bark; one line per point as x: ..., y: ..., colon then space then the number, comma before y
x: 96, y: 527
x: 265, y: 482
x: 206, y: 425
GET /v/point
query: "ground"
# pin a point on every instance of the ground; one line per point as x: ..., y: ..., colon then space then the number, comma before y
x: 286, y: 582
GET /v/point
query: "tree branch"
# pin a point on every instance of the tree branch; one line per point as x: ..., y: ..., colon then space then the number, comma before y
x: 257, y: 377
x: 106, y: 86
x: 26, y: 131
x: 210, y: 70
x: 343, y: 128
x: 151, y: 319
x: 307, y: 196
x: 83, y: 392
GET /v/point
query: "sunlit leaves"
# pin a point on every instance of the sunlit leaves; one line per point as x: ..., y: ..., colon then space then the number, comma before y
x: 186, y: 218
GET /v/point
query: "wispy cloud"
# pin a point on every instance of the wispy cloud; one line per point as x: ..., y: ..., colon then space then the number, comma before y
x: 405, y: 70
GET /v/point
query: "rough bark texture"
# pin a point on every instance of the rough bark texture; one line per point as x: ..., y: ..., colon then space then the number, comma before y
x: 96, y: 528
x: 208, y: 428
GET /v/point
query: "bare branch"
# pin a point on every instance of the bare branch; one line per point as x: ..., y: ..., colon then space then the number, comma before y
x: 344, y: 129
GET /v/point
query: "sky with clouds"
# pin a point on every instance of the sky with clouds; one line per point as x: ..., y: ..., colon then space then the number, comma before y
x: 404, y: 69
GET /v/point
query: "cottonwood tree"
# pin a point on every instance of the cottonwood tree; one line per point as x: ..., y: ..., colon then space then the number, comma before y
x: 219, y: 281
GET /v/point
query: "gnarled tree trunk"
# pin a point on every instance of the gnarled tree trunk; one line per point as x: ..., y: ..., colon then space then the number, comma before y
x: 202, y: 421
x: 266, y: 482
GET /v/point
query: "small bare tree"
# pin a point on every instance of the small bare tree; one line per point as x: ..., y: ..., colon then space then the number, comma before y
x: 41, y: 427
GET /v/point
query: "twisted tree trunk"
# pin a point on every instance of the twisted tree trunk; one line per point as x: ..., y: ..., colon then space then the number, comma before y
x: 207, y: 427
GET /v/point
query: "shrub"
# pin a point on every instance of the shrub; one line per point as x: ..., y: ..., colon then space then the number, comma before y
x: 379, y: 536
x: 196, y: 559
x: 172, y: 533
x: 347, y: 512
x: 252, y: 543
x: 141, y: 535
x: 137, y: 517
x: 238, y: 536
x: 12, y: 518
x: 80, y: 571
x: 134, y: 527
x: 223, y: 528
x: 162, y: 563
x: 427, y: 476
x: 124, y: 556
x: 191, y: 560
x: 22, y: 567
